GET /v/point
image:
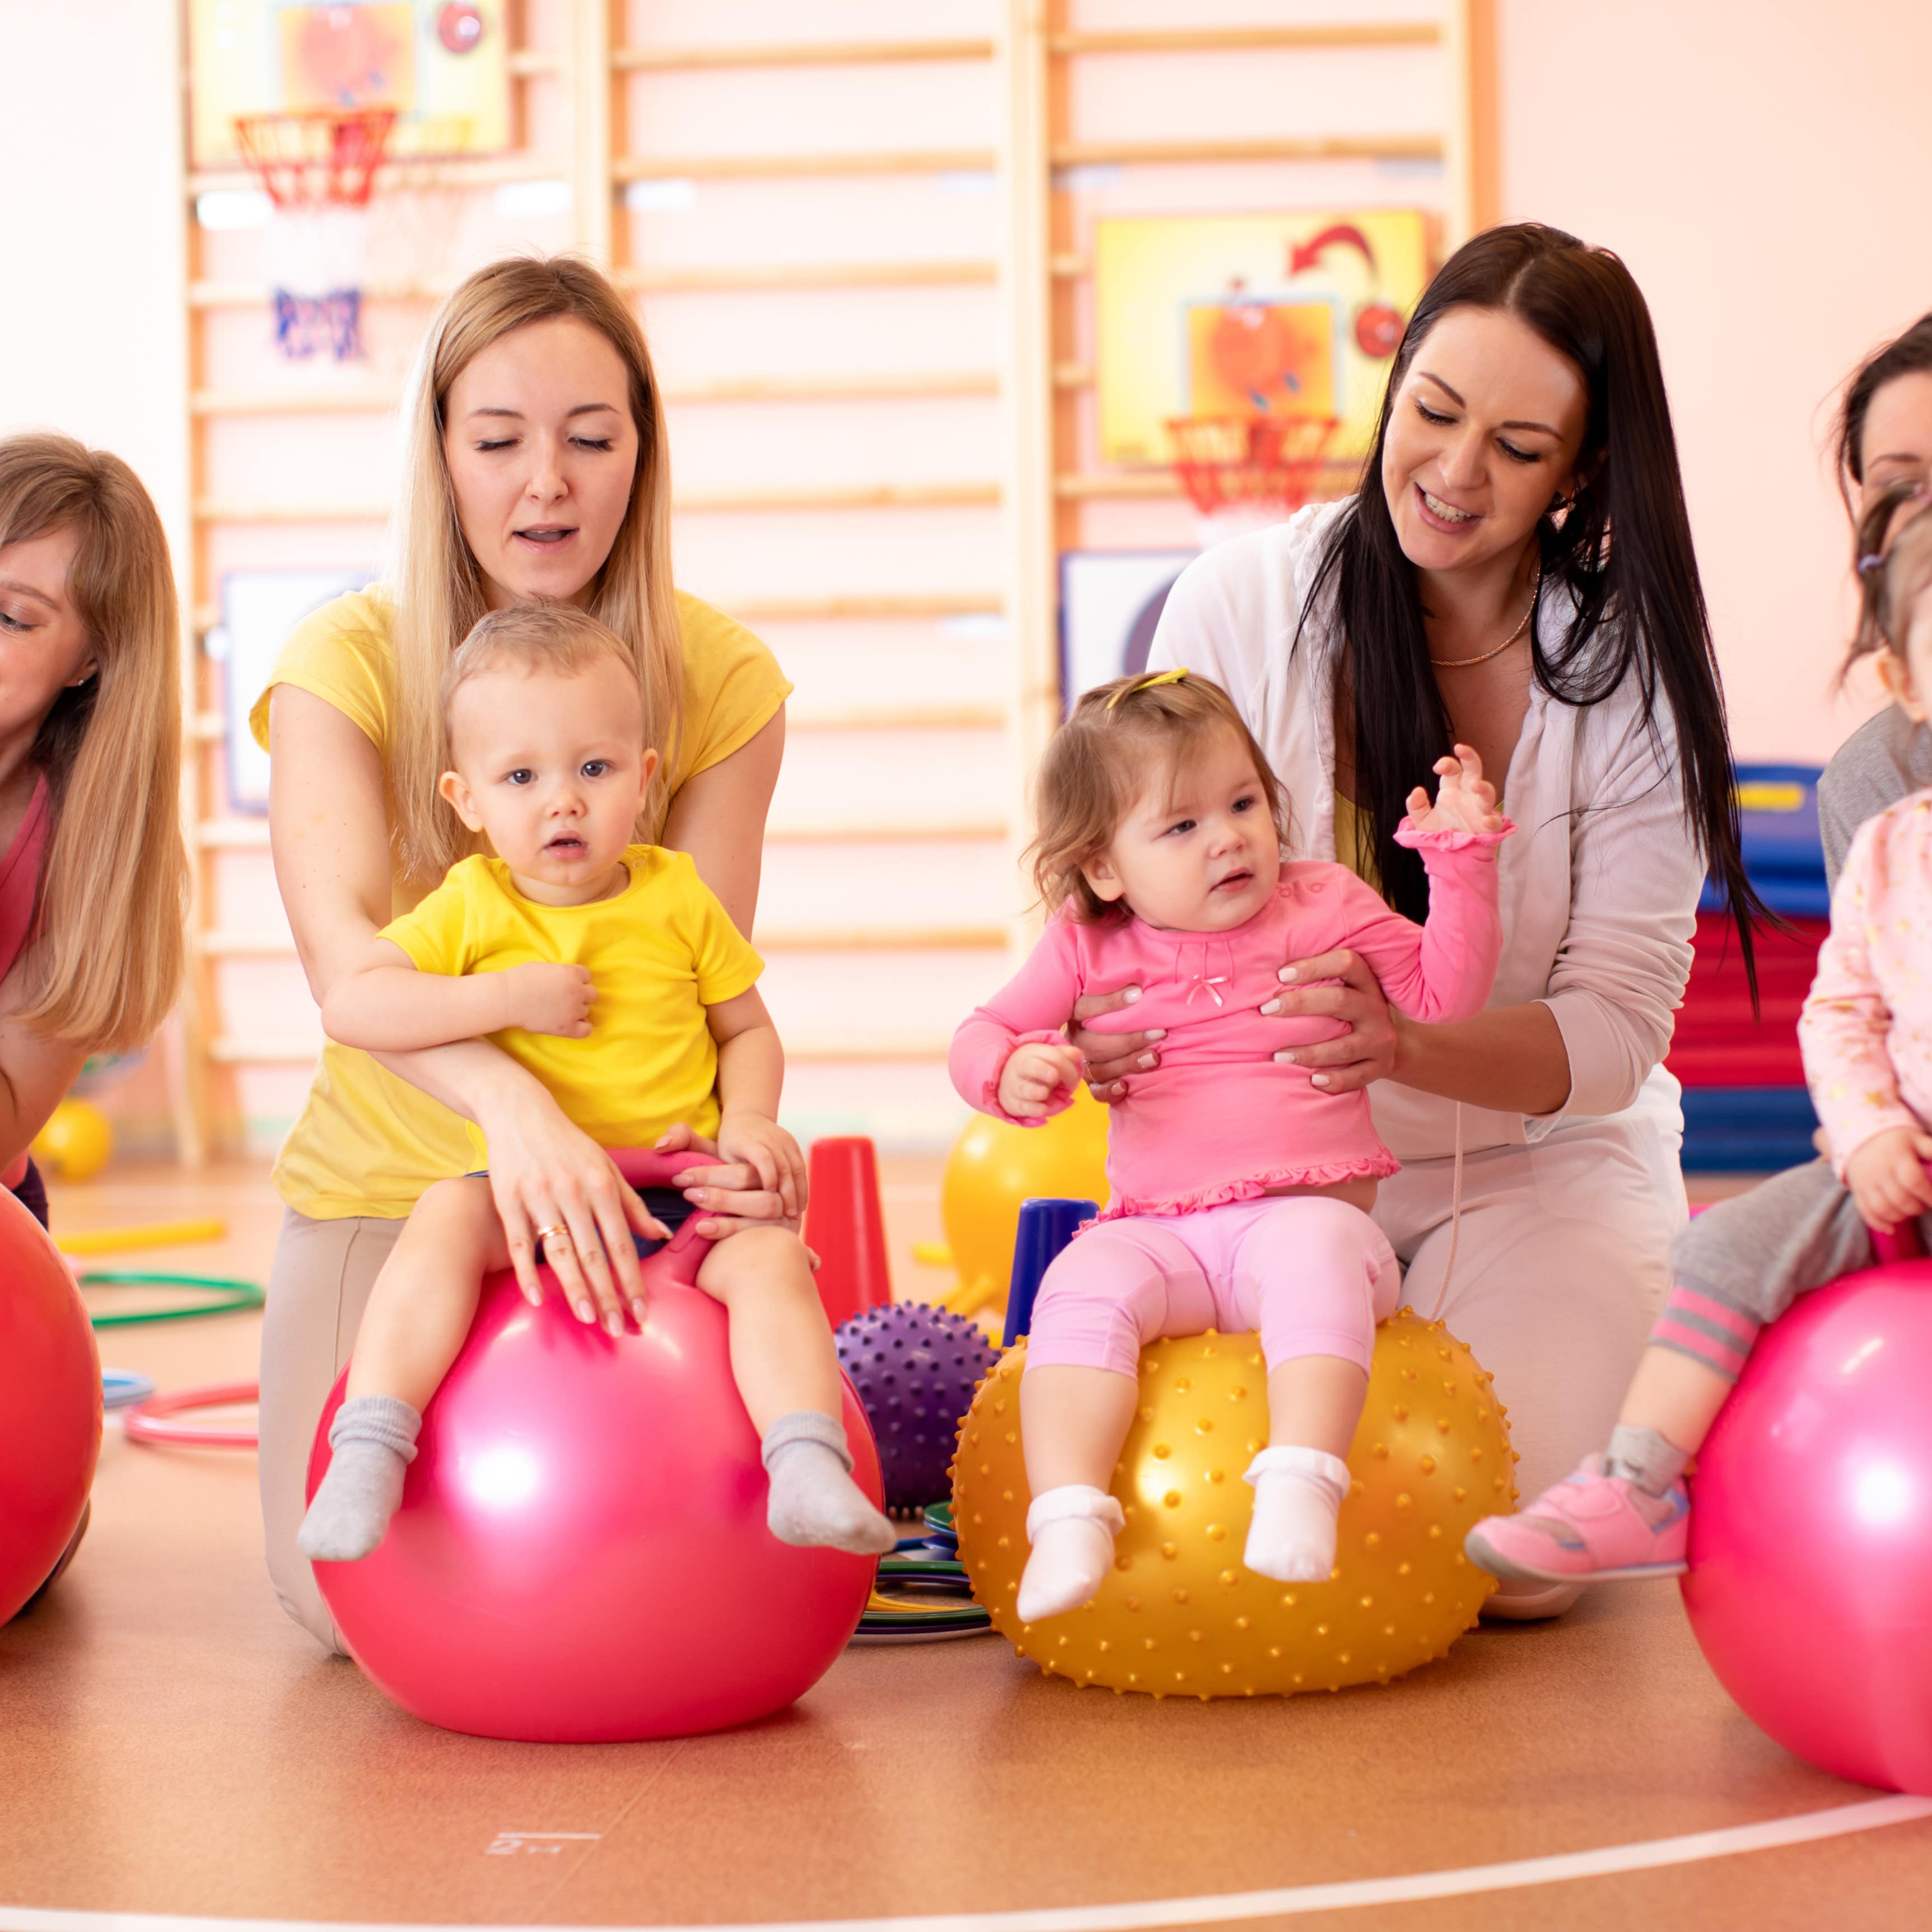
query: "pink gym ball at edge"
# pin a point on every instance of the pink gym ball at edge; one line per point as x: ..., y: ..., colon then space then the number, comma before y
x: 1810, y: 1581
x: 581, y: 1553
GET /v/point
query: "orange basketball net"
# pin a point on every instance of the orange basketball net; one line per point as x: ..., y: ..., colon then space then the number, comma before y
x: 316, y: 160
x: 1252, y: 463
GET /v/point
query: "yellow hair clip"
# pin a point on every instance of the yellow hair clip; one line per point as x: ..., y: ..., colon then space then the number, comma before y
x: 1147, y: 682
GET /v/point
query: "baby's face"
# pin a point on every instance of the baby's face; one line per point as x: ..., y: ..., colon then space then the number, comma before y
x: 553, y: 769
x: 1199, y: 853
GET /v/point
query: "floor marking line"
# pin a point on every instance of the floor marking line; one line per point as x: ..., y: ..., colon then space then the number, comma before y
x: 1648, y: 1854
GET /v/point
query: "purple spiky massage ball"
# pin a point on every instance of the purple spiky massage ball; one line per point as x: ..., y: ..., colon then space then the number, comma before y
x: 916, y: 1368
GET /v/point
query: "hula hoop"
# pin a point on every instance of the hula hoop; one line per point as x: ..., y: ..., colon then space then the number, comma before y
x: 150, y: 1421
x: 121, y: 1388
x: 228, y: 1296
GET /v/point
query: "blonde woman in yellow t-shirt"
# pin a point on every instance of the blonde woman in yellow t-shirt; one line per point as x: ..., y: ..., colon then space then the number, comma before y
x: 610, y: 970
x: 535, y: 468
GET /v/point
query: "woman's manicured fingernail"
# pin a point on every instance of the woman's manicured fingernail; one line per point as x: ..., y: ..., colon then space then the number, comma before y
x: 1157, y: 1032
x: 695, y: 1195
x: 585, y: 1312
x: 1286, y: 974
x: 1132, y: 993
x: 637, y: 1311
x: 1317, y: 1080
x: 613, y: 1323
x: 534, y: 1296
x: 1273, y: 1007
x: 1145, y: 1060
x: 1288, y: 1058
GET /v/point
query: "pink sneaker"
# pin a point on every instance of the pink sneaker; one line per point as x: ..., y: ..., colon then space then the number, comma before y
x: 1589, y: 1528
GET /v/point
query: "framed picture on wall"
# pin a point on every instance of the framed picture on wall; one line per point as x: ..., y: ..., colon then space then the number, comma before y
x: 259, y: 610
x: 1110, y: 602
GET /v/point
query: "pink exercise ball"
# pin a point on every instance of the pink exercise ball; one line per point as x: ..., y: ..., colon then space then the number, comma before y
x: 1810, y: 1587
x: 50, y: 1406
x: 581, y: 1554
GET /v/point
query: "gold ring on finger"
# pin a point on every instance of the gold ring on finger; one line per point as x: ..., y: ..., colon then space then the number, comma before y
x: 545, y: 1235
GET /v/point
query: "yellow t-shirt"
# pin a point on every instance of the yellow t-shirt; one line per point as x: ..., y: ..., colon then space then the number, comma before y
x: 659, y: 953
x: 367, y: 1143
x: 1353, y: 847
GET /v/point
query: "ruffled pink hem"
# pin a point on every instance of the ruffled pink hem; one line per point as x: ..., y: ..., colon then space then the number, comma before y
x: 1376, y: 1166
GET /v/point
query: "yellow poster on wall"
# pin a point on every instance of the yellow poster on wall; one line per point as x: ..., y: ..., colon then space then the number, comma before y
x: 1290, y: 315
x: 443, y: 67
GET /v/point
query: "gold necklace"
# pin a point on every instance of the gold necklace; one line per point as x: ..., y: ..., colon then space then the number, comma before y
x: 1459, y: 664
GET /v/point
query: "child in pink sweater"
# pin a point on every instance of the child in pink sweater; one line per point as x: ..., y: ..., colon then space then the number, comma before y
x: 1866, y: 1032
x: 1240, y: 1191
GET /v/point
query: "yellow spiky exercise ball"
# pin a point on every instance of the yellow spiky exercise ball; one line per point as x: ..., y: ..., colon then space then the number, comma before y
x: 993, y: 1167
x: 77, y: 1141
x: 1180, y: 1615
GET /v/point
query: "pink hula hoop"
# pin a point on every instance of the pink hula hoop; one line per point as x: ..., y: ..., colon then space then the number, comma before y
x: 152, y: 1421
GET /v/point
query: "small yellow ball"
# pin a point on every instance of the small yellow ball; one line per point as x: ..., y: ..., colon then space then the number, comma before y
x: 1402, y: 1592
x: 77, y: 1143
x: 994, y: 1166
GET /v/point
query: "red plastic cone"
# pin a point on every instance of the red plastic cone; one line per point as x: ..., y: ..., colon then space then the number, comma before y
x: 845, y: 1228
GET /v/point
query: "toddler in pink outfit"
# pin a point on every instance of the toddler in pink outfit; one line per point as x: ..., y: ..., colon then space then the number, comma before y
x: 1240, y: 1191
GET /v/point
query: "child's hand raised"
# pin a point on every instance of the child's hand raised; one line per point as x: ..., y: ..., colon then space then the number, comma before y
x: 546, y: 998
x: 1465, y: 801
x: 764, y: 1146
x: 1038, y: 1080
x: 1887, y: 1178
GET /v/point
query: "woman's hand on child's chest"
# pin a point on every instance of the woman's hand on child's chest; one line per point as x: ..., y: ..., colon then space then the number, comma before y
x: 1205, y: 991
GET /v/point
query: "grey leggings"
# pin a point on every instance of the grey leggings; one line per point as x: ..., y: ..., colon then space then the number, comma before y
x: 319, y: 1285
x: 1744, y: 1262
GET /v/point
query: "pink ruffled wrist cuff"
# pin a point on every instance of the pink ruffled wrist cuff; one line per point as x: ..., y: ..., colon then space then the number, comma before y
x: 1426, y: 842
x: 989, y: 1095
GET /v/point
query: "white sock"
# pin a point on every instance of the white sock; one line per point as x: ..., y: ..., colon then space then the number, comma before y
x: 1071, y: 1530
x: 1298, y: 1493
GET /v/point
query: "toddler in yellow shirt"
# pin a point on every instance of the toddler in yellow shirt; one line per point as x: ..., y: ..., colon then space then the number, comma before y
x: 611, y: 972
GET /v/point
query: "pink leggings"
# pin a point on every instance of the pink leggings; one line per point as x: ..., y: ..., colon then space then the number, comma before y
x: 1313, y: 1274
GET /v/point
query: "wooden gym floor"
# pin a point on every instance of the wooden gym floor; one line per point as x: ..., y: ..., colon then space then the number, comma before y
x: 170, y: 1745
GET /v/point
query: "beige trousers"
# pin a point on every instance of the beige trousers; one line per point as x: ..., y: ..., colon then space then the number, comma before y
x: 319, y: 1285
x: 1562, y: 1264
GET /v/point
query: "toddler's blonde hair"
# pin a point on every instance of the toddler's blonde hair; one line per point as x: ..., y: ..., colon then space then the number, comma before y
x: 1122, y: 738
x: 1895, y: 573
x: 540, y: 639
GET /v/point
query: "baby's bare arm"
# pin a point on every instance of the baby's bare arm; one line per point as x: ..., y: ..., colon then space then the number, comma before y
x: 384, y: 1005
x: 750, y: 1077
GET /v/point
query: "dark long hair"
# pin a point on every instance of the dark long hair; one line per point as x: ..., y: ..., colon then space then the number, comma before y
x: 1639, y: 603
x: 1907, y: 355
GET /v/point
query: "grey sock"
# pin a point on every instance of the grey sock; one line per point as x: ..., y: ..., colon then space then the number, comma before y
x: 814, y: 1499
x: 1645, y: 1458
x: 373, y: 1441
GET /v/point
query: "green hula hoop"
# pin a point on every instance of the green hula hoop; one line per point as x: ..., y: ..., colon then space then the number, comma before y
x: 226, y: 1296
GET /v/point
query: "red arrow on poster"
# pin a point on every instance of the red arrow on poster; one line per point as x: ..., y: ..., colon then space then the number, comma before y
x: 1304, y: 254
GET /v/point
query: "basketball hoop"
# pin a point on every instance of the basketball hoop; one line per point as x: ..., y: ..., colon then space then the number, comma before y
x: 316, y: 160
x: 1245, y: 472
x: 318, y: 169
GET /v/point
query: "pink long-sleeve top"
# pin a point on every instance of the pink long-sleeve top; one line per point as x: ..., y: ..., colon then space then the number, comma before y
x: 1218, y: 1120
x: 1866, y: 1030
